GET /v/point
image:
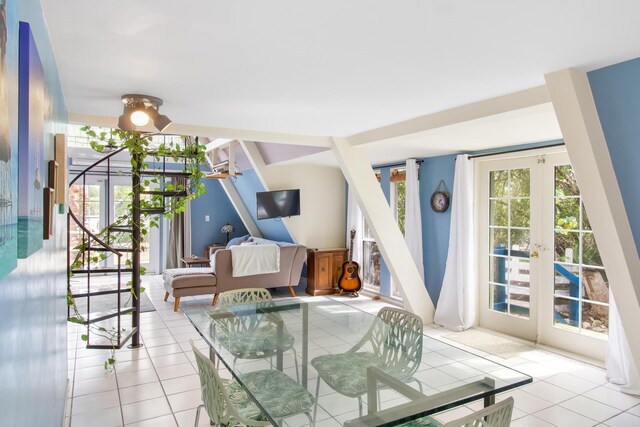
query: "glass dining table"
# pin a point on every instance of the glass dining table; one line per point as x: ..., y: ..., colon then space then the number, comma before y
x: 362, y: 369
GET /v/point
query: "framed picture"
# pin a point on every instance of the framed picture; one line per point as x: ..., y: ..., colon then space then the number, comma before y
x: 60, y: 142
x: 8, y: 139
x: 30, y: 144
x: 52, y: 176
x: 48, y: 201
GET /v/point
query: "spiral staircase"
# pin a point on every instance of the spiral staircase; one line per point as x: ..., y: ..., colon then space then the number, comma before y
x: 104, y: 254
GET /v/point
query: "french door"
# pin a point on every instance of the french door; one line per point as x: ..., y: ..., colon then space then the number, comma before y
x: 105, y: 201
x: 541, y: 275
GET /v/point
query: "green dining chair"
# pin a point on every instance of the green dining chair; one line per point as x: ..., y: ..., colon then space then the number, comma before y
x: 393, y: 344
x: 496, y: 415
x: 227, y: 403
x: 256, y: 336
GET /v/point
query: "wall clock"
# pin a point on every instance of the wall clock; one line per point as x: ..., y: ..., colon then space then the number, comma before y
x: 440, y: 198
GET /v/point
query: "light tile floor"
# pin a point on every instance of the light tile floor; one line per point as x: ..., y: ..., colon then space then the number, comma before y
x: 157, y: 385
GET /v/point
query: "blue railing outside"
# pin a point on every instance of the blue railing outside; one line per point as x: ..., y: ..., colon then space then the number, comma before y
x: 500, y: 294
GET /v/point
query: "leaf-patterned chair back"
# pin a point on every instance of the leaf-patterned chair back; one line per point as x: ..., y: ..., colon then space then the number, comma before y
x: 243, y: 296
x: 213, y: 391
x: 396, y: 338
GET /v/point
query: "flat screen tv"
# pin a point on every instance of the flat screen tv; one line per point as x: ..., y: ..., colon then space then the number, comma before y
x: 275, y: 204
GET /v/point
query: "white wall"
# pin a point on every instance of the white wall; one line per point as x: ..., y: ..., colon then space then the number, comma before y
x: 322, y: 206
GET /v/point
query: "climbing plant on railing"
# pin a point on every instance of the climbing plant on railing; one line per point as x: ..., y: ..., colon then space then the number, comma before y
x: 143, y: 155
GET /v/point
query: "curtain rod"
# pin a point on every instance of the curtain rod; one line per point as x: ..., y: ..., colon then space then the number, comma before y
x: 389, y: 165
x: 515, y: 151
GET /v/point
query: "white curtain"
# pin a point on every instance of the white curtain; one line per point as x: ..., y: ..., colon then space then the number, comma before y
x: 620, y: 367
x: 413, y: 218
x: 189, y: 141
x: 456, y: 309
x: 354, y: 222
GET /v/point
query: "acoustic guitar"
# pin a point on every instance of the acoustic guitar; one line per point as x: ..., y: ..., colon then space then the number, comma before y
x: 349, y: 280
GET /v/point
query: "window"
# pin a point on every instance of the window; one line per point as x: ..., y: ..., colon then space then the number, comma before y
x: 397, y: 201
x: 88, y: 215
x: 398, y: 196
x: 370, y: 260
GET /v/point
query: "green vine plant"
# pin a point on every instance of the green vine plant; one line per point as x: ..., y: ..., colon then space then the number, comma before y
x: 142, y: 157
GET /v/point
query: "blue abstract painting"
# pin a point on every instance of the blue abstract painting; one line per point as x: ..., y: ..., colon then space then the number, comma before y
x: 30, y: 144
x: 8, y: 137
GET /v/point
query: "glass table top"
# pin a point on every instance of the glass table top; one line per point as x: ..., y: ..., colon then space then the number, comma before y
x: 372, y: 370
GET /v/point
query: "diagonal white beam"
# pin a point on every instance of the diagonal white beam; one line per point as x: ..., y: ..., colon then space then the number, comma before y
x: 576, y: 111
x: 240, y: 207
x: 366, y: 189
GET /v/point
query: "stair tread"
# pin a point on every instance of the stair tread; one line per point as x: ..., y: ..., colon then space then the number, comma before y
x: 181, y: 193
x: 165, y: 173
x: 152, y: 210
x: 103, y: 249
x: 100, y: 292
x: 101, y: 270
x: 105, y: 344
x: 121, y: 228
x: 99, y: 316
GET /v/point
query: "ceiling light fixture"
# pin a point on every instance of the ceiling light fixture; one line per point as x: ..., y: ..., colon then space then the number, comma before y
x: 139, y: 110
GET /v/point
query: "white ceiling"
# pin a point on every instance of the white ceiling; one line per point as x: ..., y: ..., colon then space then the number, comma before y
x: 333, y: 67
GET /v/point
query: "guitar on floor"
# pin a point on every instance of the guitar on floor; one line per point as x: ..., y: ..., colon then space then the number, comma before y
x: 349, y: 280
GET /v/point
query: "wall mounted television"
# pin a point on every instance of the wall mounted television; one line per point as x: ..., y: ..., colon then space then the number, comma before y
x: 275, y: 204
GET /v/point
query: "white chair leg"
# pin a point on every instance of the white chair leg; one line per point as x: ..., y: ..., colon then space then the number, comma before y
x: 420, y: 386
x: 311, y: 422
x: 315, y: 407
x: 198, y: 415
x: 360, y: 405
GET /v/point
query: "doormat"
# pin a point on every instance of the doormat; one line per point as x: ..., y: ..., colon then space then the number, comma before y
x: 490, y: 343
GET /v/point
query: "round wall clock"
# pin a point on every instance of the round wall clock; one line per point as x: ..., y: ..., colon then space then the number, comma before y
x: 440, y: 198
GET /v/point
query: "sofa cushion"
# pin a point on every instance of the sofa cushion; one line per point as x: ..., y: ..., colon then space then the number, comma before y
x: 237, y: 240
x: 192, y: 281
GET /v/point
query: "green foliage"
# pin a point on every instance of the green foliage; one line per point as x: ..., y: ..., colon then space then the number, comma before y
x: 138, y: 145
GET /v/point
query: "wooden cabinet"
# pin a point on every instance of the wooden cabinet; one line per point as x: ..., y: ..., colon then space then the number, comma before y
x: 323, y: 270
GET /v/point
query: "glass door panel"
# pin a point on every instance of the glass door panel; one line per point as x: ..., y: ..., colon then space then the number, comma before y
x: 581, y: 288
x: 507, y: 285
x: 509, y: 241
x: 88, y: 213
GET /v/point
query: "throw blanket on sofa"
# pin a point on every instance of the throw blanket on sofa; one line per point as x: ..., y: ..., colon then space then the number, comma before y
x: 255, y: 259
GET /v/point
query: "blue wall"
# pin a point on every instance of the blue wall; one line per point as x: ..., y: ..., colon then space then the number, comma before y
x: 216, y: 204
x: 33, y: 354
x: 616, y: 91
x: 435, y: 226
x: 248, y: 184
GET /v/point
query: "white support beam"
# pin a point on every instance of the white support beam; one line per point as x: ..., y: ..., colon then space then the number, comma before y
x: 366, y: 189
x: 240, y: 207
x: 576, y: 111
x: 465, y: 113
x: 212, y: 131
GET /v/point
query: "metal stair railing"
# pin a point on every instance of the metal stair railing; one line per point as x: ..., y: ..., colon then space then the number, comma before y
x: 89, y: 239
x: 94, y: 243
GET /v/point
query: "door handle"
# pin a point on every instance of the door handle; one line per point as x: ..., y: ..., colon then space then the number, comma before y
x: 534, y: 254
